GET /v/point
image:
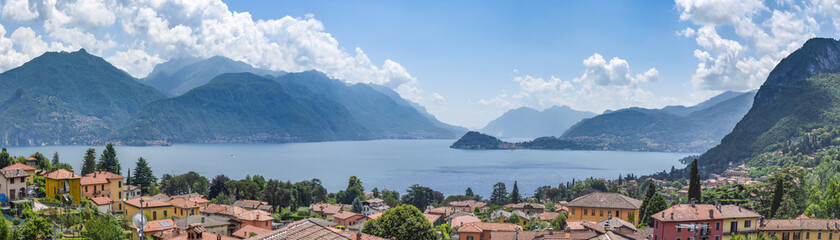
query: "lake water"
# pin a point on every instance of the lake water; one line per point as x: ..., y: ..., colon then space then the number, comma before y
x: 386, y: 164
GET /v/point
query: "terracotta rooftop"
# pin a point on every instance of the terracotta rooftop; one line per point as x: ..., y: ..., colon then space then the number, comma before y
x: 255, y: 215
x: 432, y: 217
x: 522, y: 235
x: 688, y: 212
x: 20, y: 165
x: 101, y: 200
x: 130, y: 187
x: 250, y: 204
x: 182, y: 234
x: 605, y: 200
x: 301, y: 230
x: 548, y: 216
x: 62, y: 174
x: 442, y: 210
x: 31, y: 159
x: 326, y: 208
x: 352, y: 235
x: 148, y: 202
x: 346, y: 215
x: 461, y: 220
x: 100, y: 177
x: 468, y: 203
x: 526, y: 205
x: 13, y: 173
x: 374, y: 216
x: 158, y: 225
x: 246, y: 231
x: 482, y: 226
x: 734, y: 211
x: 182, y: 203
x: 801, y: 224
x: 375, y: 200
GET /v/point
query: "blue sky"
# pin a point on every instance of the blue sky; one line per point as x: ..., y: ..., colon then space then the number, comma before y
x: 466, y: 61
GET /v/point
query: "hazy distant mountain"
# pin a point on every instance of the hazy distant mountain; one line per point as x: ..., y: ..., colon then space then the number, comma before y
x: 673, y: 129
x: 178, y: 76
x: 456, y: 130
x: 377, y: 112
x: 529, y: 123
x: 243, y: 107
x: 795, y: 113
x: 67, y: 98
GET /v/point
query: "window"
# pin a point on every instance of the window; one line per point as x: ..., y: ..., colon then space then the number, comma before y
x: 103, y: 187
x: 164, y: 213
x: 807, y: 235
x: 656, y: 224
x: 819, y: 235
x: 733, y: 226
x: 601, y: 213
x: 717, y: 237
x: 86, y: 188
x: 593, y: 212
x: 717, y: 226
x: 12, y: 180
x: 154, y: 215
x: 617, y: 214
x: 679, y: 229
x: 120, y: 195
x: 747, y: 223
x: 585, y: 211
x: 655, y: 237
x: 573, y: 213
x: 678, y: 238
x: 471, y: 238
x: 120, y: 183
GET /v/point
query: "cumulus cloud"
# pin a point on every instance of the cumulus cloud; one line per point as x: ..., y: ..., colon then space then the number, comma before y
x: 136, y: 35
x: 763, y: 35
x: 603, y: 85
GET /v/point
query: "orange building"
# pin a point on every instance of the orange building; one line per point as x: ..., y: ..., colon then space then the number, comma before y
x: 482, y: 231
x: 256, y: 218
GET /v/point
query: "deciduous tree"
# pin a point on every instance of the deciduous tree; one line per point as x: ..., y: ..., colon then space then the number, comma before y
x: 405, y: 222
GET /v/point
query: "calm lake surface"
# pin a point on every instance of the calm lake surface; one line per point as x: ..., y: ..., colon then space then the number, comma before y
x: 386, y: 164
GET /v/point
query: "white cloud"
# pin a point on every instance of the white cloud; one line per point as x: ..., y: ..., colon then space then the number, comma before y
x: 18, y: 10
x: 135, y: 35
x: 763, y: 36
x: 604, y: 85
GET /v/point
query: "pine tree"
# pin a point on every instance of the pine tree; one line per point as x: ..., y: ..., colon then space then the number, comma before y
x: 515, y: 197
x: 108, y: 160
x: 787, y: 209
x: 5, y: 160
x: 356, y: 206
x: 648, y: 195
x: 694, y: 193
x: 55, y: 159
x: 469, y: 192
x: 499, y: 195
x: 89, y: 164
x: 656, y: 204
x: 143, y: 175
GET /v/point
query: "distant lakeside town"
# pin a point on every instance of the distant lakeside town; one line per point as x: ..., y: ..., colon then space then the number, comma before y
x: 44, y: 198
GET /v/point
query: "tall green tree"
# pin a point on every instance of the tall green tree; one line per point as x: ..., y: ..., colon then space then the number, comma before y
x: 418, y: 196
x: 499, y: 195
x: 788, y: 208
x: 515, y: 197
x: 143, y: 175
x: 469, y: 192
x: 656, y: 204
x: 404, y: 222
x: 42, y: 161
x: 217, y: 186
x: 354, y: 190
x: 778, y: 194
x: 651, y: 190
x: 559, y: 222
x: 356, y: 206
x: 55, y: 160
x: 89, y: 163
x: 694, y: 193
x: 103, y: 228
x: 108, y: 160
x: 5, y: 160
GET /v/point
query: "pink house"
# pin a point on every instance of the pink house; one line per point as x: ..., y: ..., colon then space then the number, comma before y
x: 706, y: 216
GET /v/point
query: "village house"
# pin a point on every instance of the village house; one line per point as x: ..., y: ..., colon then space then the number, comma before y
x: 599, y: 206
x: 482, y: 231
x: 705, y: 217
x: 739, y: 221
x: 528, y: 208
x: 443, y: 212
x: 327, y: 210
x: 215, y: 224
x: 247, y: 230
x: 29, y: 170
x: 32, y: 162
x: 432, y: 218
x: 254, y: 205
x: 103, y: 204
x: 153, y: 207
x: 801, y: 228
x: 461, y: 220
x: 182, y: 207
x: 13, y: 183
x: 131, y: 192
x: 348, y: 218
x: 64, y: 184
x: 104, y: 184
x: 192, y: 232
x: 468, y: 206
x: 374, y: 206
x: 256, y: 218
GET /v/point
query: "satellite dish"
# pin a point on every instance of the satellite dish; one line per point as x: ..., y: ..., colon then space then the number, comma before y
x: 139, y: 221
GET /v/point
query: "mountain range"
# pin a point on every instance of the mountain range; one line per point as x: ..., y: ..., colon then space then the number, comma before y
x: 78, y: 98
x: 794, y: 114
x: 670, y: 129
x: 525, y: 122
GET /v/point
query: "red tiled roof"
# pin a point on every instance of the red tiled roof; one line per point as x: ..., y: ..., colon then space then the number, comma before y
x: 62, y: 174
x: 472, y: 204
x: 147, y: 202
x: 374, y: 216
x: 357, y: 235
x: 246, y: 231
x: 482, y: 226
x: 326, y: 208
x: 182, y: 203
x: 461, y: 220
x: 801, y: 224
x: 255, y: 215
x: 300, y: 230
x: 346, y: 215
x: 156, y: 225
x: 30, y: 159
x: 100, y: 177
x: 605, y: 200
x: 129, y: 187
x: 20, y: 165
x: 688, y: 212
x: 432, y: 217
x: 548, y: 216
x: 101, y: 200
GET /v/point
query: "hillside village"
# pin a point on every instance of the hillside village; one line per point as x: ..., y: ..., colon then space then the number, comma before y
x: 49, y: 200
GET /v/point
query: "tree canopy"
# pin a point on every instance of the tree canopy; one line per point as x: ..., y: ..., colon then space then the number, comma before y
x: 404, y: 222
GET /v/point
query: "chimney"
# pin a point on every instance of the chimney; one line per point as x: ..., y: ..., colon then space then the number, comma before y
x: 711, y: 213
x: 672, y: 216
x: 358, y: 235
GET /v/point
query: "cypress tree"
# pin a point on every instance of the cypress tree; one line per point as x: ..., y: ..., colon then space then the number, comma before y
x: 469, y: 192
x: 515, y: 197
x: 651, y: 191
x: 55, y: 159
x: 778, y: 193
x: 694, y: 183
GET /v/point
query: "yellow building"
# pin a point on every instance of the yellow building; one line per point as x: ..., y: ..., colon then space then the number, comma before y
x: 30, y: 170
x: 599, y: 206
x: 153, y: 208
x: 739, y: 221
x: 104, y: 184
x: 183, y: 207
x: 62, y: 182
x: 802, y: 228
